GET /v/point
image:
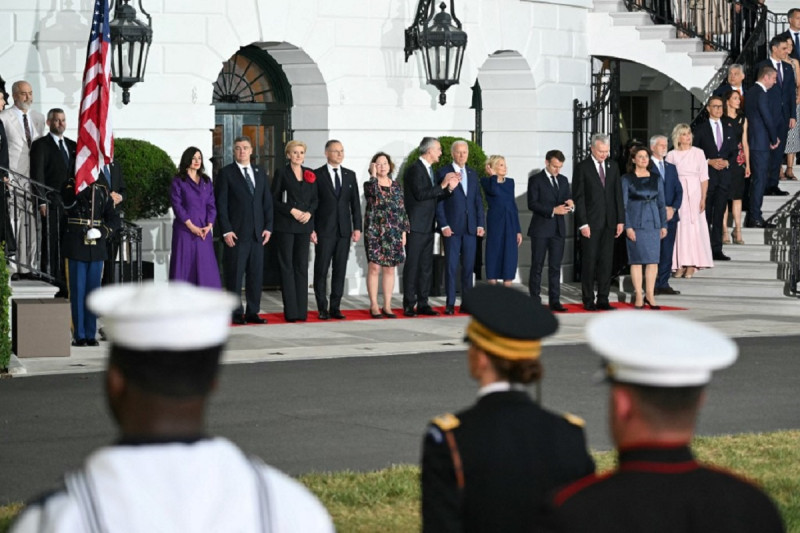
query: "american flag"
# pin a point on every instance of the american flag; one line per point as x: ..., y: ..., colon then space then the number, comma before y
x: 95, y: 144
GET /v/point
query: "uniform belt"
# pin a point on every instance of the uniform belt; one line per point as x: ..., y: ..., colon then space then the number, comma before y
x: 84, y: 222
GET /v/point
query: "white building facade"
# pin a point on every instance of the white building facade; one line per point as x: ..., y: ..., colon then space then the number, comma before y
x: 344, y: 66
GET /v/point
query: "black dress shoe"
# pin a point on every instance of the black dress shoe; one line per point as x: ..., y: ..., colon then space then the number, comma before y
x: 335, y: 313
x: 605, y: 306
x: 654, y: 307
x: 92, y: 342
x: 254, y: 319
x: 719, y: 256
x: 769, y: 225
x: 323, y: 315
x: 376, y: 315
x: 449, y: 310
x: 776, y: 191
x: 15, y: 277
x: 238, y: 320
x: 558, y: 308
x: 409, y: 311
x: 427, y: 311
x: 590, y: 307
x: 666, y: 290
x: 79, y: 342
x: 388, y: 314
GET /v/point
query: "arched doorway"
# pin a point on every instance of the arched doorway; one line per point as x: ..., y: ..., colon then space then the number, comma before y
x: 253, y: 97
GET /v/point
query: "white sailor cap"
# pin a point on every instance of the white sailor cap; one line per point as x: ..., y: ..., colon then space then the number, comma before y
x: 169, y: 316
x: 658, y: 349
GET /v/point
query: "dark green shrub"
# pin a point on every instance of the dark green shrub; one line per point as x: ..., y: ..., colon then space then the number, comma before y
x: 5, y: 314
x: 148, y: 171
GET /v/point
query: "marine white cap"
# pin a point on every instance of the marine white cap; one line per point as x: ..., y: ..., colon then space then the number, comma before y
x: 658, y: 349
x: 168, y: 316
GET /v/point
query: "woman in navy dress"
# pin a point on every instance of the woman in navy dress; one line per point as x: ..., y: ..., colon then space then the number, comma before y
x: 294, y: 196
x: 192, y: 195
x: 645, y: 222
x: 503, y: 232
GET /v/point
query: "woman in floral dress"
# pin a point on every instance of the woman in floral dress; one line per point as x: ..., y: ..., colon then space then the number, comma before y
x: 385, y: 228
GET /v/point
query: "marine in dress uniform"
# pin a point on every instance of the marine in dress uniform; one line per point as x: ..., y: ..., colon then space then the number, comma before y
x: 90, y: 219
x: 489, y: 467
x: 164, y: 473
x: 656, y: 393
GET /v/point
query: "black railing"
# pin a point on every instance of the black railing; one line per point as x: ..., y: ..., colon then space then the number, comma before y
x: 31, y: 227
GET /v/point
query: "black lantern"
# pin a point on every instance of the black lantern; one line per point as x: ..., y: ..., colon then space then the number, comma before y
x: 442, y: 44
x: 130, y: 44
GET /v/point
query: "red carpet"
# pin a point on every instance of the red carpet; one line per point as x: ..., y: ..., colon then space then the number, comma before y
x: 363, y: 314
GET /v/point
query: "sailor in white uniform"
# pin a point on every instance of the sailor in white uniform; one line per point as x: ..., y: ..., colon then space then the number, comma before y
x: 165, y: 474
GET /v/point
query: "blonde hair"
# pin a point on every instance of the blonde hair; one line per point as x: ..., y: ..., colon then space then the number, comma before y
x: 292, y: 144
x: 677, y: 131
x: 493, y: 159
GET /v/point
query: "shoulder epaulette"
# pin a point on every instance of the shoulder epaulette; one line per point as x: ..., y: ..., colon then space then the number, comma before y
x: 574, y: 419
x: 446, y: 422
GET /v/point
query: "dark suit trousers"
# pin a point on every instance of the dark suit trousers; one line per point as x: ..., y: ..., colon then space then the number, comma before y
x: 597, y: 257
x: 418, y: 270
x: 719, y: 184
x: 458, y: 247
x: 293, y: 266
x: 775, y: 162
x: 554, y: 248
x: 244, y: 259
x: 330, y: 248
x: 665, y: 260
x: 759, y: 162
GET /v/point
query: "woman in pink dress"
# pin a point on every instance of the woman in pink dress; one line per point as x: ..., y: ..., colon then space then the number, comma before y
x: 692, y: 242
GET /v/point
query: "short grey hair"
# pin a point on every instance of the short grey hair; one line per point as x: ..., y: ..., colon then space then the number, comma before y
x: 16, y: 84
x: 457, y: 144
x: 657, y: 137
x: 426, y: 144
x: 736, y: 66
x: 600, y: 138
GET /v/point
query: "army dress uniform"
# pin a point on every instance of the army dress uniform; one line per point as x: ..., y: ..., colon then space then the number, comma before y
x: 489, y: 467
x: 85, y: 256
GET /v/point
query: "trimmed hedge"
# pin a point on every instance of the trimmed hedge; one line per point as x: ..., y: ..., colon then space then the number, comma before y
x: 148, y: 171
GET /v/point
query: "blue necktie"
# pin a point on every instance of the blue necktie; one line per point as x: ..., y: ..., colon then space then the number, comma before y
x: 464, y: 180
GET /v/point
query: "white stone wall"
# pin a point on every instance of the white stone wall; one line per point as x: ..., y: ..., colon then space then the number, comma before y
x: 346, y: 66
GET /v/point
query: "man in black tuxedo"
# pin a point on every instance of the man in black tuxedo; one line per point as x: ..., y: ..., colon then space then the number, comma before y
x: 52, y: 164
x: 785, y: 90
x: 763, y: 138
x: 421, y: 195
x: 244, y: 216
x: 338, y: 221
x: 600, y: 217
x: 550, y: 199
x: 718, y: 141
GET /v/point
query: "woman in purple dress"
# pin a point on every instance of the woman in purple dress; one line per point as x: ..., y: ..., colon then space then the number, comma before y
x: 192, y: 196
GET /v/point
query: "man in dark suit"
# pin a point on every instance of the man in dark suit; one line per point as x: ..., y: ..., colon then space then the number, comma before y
x: 52, y: 164
x: 718, y: 141
x: 793, y: 33
x: 673, y: 198
x: 6, y: 230
x: 550, y: 199
x: 338, y: 222
x: 600, y: 217
x: 489, y: 467
x: 116, y: 182
x: 762, y: 137
x: 244, y: 216
x: 460, y: 218
x: 734, y: 82
x: 658, y: 367
x: 784, y: 91
x: 420, y: 196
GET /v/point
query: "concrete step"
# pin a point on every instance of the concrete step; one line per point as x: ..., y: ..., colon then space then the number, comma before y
x: 608, y: 6
x: 630, y: 19
x: 659, y: 32
x: 703, y: 284
x: 753, y: 270
x: 713, y: 59
x: 683, y: 45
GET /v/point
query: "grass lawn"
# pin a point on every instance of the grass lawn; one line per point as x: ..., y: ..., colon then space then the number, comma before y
x: 388, y: 500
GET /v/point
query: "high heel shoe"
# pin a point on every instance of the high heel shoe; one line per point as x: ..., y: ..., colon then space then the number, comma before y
x: 388, y: 314
x: 726, y: 239
x: 737, y: 236
x: 648, y: 302
x: 373, y: 314
x: 679, y: 273
x: 640, y: 306
x: 690, y: 272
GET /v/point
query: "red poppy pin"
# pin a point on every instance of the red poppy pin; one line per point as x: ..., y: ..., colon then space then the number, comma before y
x: 309, y: 176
